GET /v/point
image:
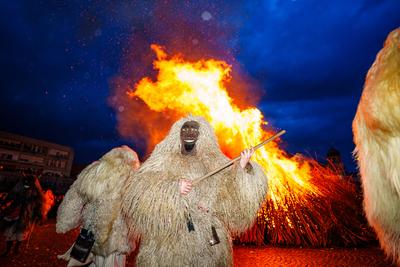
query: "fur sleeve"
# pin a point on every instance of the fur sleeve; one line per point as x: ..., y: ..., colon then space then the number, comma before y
x: 109, y: 228
x: 107, y: 211
x: 152, y: 204
x: 69, y: 212
x: 241, y: 197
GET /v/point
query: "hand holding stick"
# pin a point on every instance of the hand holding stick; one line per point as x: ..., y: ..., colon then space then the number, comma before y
x: 231, y: 162
x: 245, y: 157
x: 185, y: 186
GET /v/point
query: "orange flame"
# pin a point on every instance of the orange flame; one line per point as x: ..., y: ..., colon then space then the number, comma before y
x: 200, y: 88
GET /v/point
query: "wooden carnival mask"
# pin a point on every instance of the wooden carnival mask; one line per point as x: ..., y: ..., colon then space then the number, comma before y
x: 189, y: 136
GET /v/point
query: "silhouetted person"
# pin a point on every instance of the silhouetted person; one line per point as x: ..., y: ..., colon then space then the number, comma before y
x: 22, y: 209
x: 335, y: 161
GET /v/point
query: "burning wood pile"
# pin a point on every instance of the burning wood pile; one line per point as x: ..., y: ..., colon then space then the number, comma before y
x: 308, y: 204
x: 333, y: 217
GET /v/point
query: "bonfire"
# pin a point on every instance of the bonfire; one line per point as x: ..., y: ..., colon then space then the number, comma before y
x: 308, y: 204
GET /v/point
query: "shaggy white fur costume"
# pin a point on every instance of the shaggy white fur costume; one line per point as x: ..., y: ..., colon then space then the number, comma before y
x: 94, y: 202
x: 376, y: 128
x: 157, y: 212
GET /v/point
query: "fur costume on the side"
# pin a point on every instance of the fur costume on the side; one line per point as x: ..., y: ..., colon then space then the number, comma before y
x: 157, y: 212
x: 94, y: 201
x: 376, y: 128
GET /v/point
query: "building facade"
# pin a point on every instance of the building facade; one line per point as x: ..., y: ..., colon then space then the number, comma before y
x: 52, y: 162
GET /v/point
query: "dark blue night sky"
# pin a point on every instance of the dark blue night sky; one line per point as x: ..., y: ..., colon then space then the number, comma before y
x: 309, y: 59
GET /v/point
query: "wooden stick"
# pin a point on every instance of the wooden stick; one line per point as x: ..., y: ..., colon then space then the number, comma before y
x: 230, y: 163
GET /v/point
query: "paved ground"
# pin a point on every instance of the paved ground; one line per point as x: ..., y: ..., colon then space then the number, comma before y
x: 45, y: 245
x: 271, y: 256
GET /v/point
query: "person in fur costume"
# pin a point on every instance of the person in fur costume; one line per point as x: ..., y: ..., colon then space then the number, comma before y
x: 184, y: 225
x: 376, y: 129
x: 94, y: 203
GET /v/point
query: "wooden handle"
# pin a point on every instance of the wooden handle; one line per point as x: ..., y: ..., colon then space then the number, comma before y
x: 230, y: 163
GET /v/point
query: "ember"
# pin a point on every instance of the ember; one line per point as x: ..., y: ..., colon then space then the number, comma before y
x: 308, y: 204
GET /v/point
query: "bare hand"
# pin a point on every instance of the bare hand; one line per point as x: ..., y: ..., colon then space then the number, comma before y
x: 245, y: 157
x: 185, y: 186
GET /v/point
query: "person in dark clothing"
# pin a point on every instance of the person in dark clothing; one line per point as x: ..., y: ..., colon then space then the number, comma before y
x: 21, y: 209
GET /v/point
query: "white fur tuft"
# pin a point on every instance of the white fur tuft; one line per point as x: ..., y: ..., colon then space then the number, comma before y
x: 376, y: 129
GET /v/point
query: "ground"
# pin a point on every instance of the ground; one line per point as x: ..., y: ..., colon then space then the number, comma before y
x: 44, y: 246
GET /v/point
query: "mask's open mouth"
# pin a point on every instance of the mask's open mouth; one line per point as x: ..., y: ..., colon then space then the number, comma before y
x: 189, y: 144
x: 189, y: 135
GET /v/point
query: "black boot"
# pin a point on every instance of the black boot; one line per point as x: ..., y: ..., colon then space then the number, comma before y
x: 16, y: 247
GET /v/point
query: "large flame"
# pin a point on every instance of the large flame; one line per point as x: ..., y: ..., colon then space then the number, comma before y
x: 309, y: 204
x: 200, y: 88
